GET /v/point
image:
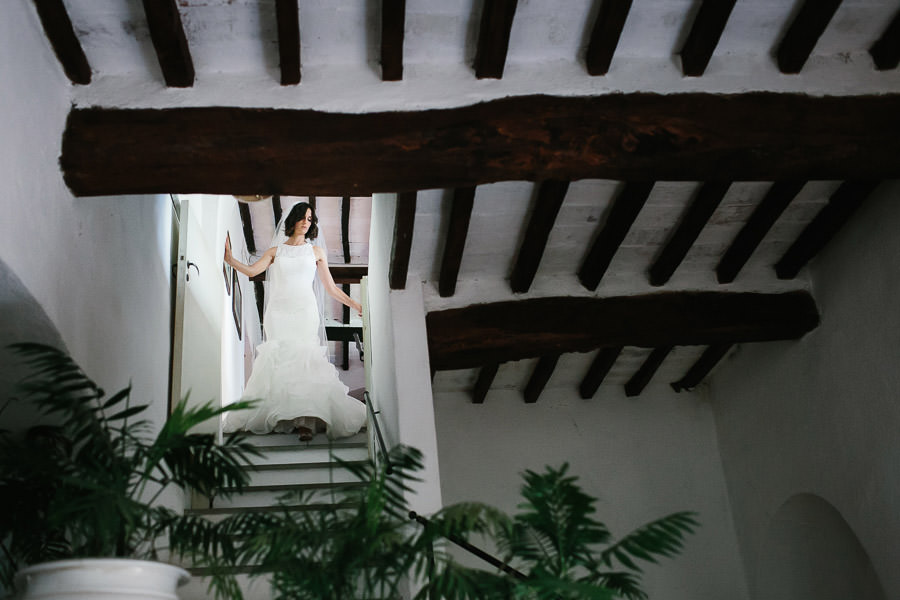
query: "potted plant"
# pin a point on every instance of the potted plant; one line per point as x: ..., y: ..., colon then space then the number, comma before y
x: 83, y: 487
x: 363, y: 544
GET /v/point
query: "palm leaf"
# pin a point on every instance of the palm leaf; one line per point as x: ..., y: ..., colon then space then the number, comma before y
x: 663, y: 537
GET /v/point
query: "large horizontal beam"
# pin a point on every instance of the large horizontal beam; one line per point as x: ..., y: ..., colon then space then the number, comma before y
x: 627, y: 137
x: 481, y: 334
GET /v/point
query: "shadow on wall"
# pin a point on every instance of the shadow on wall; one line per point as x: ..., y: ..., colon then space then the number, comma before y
x: 22, y: 319
x: 811, y: 552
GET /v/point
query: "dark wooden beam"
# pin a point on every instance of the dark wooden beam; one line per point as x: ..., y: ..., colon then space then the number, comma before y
x: 621, y: 216
x: 170, y: 42
x: 457, y: 231
x: 605, y: 35
x: 539, y: 377
x: 603, y: 362
x: 276, y: 208
x: 705, y: 32
x: 404, y: 221
x: 755, y: 229
x: 59, y: 31
x: 886, y: 50
x: 288, y: 17
x: 549, y: 200
x: 259, y: 293
x: 493, y: 38
x: 803, y: 33
x: 693, y: 221
x: 345, y: 227
x: 700, y: 369
x: 841, y: 206
x: 463, y: 338
x: 341, y: 333
x: 247, y: 225
x: 345, y: 319
x: 483, y: 384
x: 642, y: 377
x: 348, y: 273
x: 625, y: 137
x: 312, y: 201
x: 393, y: 21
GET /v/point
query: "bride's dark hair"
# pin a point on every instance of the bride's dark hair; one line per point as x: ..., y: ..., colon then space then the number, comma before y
x: 297, y: 213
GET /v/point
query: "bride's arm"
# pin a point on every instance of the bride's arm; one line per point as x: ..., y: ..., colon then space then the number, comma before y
x: 328, y: 282
x: 250, y: 270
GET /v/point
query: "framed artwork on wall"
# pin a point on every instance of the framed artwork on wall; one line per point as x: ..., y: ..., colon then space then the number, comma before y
x: 236, y: 302
x: 226, y: 268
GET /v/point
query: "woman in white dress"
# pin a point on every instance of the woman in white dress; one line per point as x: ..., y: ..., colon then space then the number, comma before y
x: 297, y: 388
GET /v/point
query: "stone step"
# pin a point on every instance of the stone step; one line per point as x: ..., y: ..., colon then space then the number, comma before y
x: 269, y: 495
x: 293, y: 473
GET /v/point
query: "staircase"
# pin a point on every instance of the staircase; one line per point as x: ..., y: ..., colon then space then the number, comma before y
x: 285, y: 467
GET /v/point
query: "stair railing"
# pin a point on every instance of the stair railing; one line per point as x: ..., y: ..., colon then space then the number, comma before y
x: 389, y: 468
x: 488, y: 558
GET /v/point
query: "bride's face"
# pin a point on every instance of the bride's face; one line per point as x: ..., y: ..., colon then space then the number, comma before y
x: 306, y: 222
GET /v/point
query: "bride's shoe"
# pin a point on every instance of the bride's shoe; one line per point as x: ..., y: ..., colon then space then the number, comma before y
x: 306, y: 434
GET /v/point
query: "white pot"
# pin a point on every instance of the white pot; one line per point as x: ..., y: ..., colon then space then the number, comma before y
x: 93, y: 578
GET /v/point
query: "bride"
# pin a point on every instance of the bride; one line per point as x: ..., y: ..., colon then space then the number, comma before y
x: 297, y: 388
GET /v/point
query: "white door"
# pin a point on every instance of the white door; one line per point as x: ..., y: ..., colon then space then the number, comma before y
x: 196, y: 348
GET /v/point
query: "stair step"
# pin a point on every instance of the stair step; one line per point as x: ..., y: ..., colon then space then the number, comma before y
x: 218, y: 514
x: 309, y: 456
x: 319, y: 441
x: 269, y: 495
x: 290, y: 474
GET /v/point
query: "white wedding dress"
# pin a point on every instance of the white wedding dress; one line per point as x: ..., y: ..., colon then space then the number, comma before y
x: 292, y: 376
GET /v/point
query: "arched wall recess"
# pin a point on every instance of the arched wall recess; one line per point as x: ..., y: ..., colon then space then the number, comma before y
x: 810, y: 551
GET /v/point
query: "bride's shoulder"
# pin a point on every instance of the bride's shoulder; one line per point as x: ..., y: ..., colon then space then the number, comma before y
x: 319, y: 252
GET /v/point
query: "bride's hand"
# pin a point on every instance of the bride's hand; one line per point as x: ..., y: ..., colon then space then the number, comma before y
x: 356, y: 306
x: 228, y: 257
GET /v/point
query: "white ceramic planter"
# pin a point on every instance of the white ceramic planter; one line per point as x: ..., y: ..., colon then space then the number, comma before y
x: 94, y: 578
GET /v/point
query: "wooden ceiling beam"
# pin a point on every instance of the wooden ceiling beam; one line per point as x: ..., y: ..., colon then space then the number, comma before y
x: 803, y: 33
x: 648, y: 369
x: 457, y: 231
x: 841, y: 206
x: 599, y: 369
x: 345, y: 227
x: 700, y: 369
x: 549, y: 200
x: 393, y: 23
x: 276, y: 208
x: 625, y: 137
x: 247, y: 226
x: 539, y: 377
x: 404, y: 222
x: 886, y: 50
x: 170, y: 42
x: 483, y: 383
x: 695, y: 217
x: 59, y: 31
x: 705, y: 32
x: 755, y: 229
x: 605, y: 35
x: 479, y: 334
x: 620, y: 217
x: 287, y: 14
x: 493, y: 38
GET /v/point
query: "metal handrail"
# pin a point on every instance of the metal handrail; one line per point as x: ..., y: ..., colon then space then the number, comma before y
x: 387, y: 459
x: 492, y: 560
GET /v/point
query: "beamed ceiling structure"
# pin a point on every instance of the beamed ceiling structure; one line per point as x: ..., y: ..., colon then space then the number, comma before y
x: 598, y: 191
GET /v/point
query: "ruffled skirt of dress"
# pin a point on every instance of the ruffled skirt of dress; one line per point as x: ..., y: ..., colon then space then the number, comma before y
x: 291, y: 380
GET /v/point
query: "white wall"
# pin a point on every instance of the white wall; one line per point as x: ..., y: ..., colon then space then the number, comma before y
x: 642, y: 457
x: 820, y: 416
x: 99, y: 267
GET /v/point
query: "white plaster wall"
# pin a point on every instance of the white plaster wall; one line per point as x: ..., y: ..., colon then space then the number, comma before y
x: 820, y: 416
x: 642, y: 457
x: 99, y: 267
x: 380, y: 362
